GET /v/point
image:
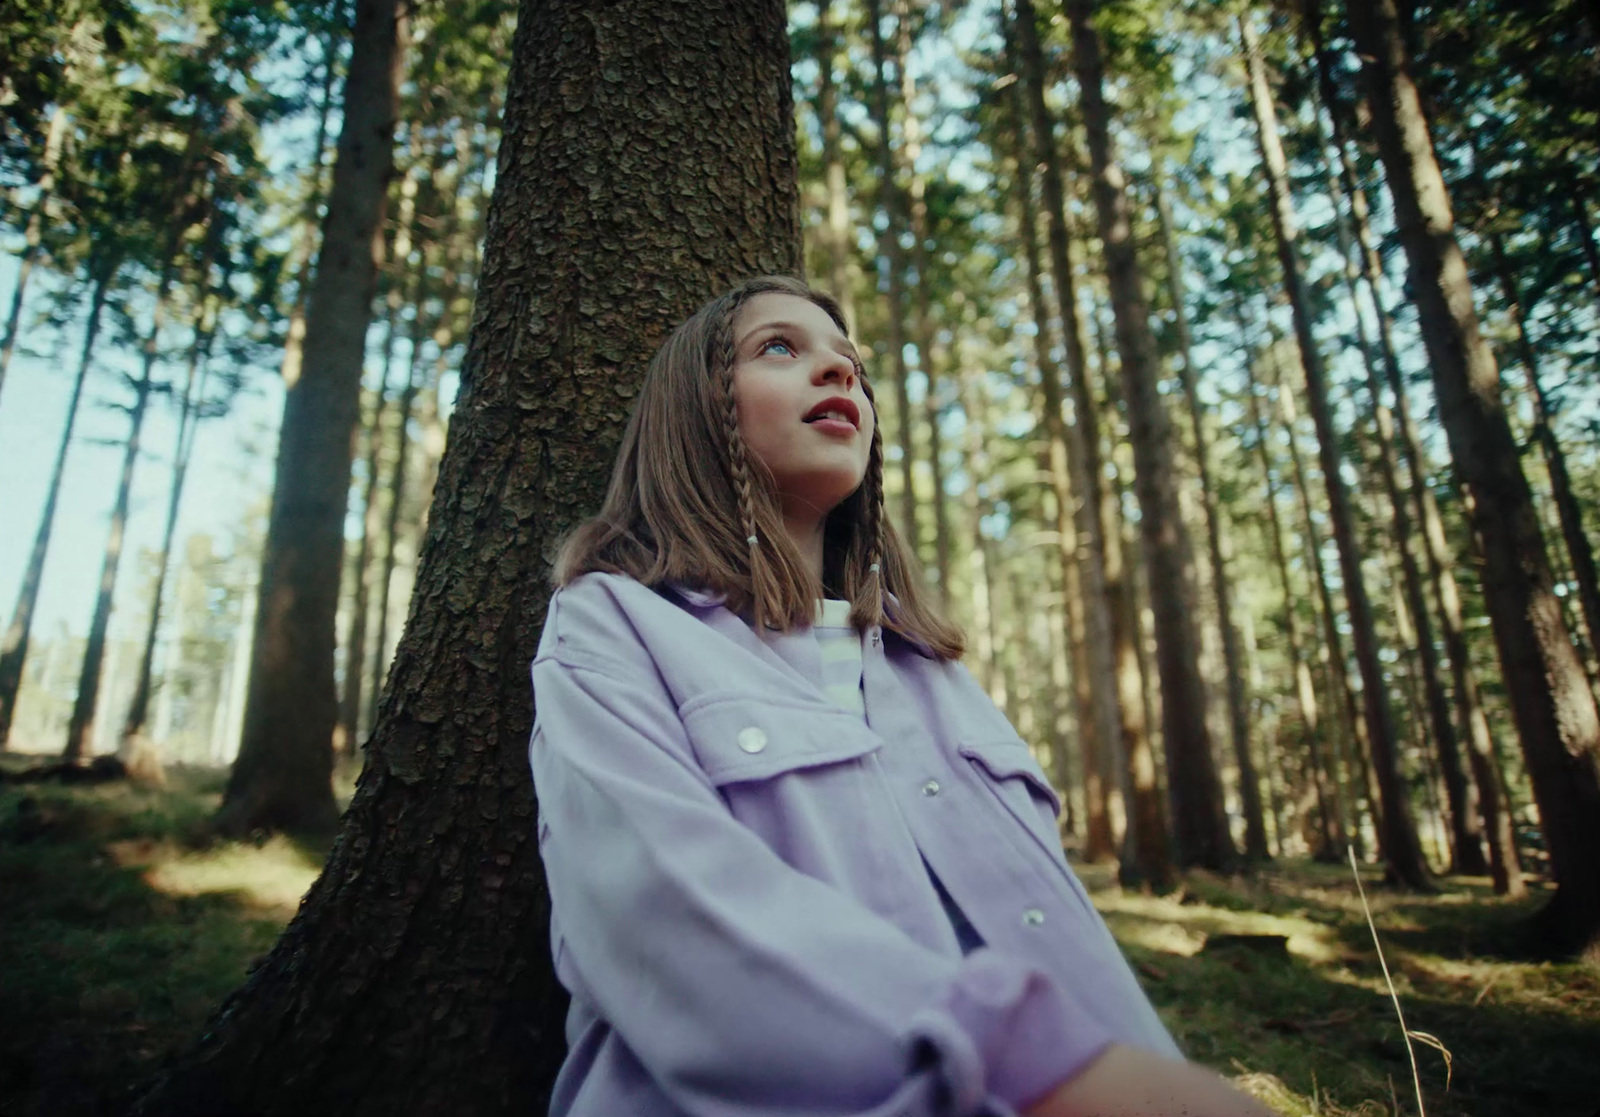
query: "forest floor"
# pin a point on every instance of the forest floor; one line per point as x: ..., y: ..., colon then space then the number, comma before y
x: 122, y: 930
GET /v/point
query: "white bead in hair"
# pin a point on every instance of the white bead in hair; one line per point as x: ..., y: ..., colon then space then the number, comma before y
x: 752, y: 540
x: 873, y: 569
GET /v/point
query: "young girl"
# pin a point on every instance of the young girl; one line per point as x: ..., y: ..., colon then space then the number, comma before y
x: 798, y: 862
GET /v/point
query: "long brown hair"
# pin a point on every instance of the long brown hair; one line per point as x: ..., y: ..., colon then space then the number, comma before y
x: 686, y: 497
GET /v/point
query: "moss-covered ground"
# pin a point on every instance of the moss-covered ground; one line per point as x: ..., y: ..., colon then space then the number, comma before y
x: 123, y: 926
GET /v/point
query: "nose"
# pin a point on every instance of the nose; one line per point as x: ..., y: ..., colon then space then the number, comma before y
x: 835, y: 366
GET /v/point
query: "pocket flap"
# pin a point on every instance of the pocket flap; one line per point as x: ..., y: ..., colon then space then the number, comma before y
x: 1007, y: 757
x: 752, y: 737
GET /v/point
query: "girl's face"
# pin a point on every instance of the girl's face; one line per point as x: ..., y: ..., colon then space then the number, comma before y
x: 802, y: 407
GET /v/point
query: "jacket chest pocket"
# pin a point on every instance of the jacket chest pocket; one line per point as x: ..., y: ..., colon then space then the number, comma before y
x: 1005, y: 764
x: 741, y: 738
x: 789, y: 771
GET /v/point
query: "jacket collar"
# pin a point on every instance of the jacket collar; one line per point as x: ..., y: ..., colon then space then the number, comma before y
x: 700, y: 598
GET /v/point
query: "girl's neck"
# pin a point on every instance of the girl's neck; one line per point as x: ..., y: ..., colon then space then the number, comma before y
x: 805, y: 529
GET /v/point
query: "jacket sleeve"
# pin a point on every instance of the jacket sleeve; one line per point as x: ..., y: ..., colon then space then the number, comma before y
x: 742, y: 985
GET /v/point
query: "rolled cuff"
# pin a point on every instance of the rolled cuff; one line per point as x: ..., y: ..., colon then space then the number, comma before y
x: 1005, y: 1032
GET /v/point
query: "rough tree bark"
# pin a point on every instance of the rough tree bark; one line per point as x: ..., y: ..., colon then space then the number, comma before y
x: 1193, y: 789
x: 282, y: 778
x: 1397, y: 832
x: 639, y: 174
x: 1550, y: 698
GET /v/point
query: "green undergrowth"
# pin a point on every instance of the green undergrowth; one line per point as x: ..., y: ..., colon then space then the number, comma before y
x: 1274, y: 981
x: 124, y: 925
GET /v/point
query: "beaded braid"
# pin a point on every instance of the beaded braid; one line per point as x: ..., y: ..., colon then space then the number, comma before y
x: 739, y: 463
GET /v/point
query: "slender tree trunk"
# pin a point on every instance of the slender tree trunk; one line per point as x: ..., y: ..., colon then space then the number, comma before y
x: 14, y: 652
x: 1466, y: 845
x: 350, y: 701
x: 1351, y: 737
x: 306, y: 238
x: 1113, y: 679
x: 282, y: 778
x: 80, y: 728
x: 416, y: 976
x: 33, y: 238
x: 1579, y: 550
x: 1094, y: 688
x: 917, y: 218
x: 1255, y: 828
x: 894, y: 263
x: 838, y: 219
x: 397, y: 483
x: 1504, y: 869
x: 1397, y: 837
x: 1193, y: 790
x: 194, y: 390
x: 1550, y: 698
x: 352, y: 724
x: 1330, y: 811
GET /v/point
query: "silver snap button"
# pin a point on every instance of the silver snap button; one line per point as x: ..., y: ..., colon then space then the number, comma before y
x: 931, y: 788
x: 752, y: 739
x: 1033, y: 917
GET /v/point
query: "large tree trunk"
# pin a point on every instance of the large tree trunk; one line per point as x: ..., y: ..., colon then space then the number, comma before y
x: 1397, y: 834
x: 1193, y: 790
x: 416, y: 977
x: 1255, y: 827
x: 14, y: 651
x: 1550, y: 698
x: 283, y: 776
x: 893, y: 261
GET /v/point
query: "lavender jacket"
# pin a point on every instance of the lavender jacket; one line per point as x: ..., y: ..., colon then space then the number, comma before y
x: 740, y: 905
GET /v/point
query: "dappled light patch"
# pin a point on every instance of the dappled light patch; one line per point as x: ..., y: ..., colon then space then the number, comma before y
x: 1176, y: 927
x: 272, y: 876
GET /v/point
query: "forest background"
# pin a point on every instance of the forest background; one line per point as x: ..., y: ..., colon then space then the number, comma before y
x: 1250, y: 435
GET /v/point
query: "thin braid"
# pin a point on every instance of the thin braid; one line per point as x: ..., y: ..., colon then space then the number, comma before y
x: 739, y: 464
x: 875, y: 579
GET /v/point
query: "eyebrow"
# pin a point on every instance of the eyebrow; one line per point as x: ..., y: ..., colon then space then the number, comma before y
x: 795, y: 328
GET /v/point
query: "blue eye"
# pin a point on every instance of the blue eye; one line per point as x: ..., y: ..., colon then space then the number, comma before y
x: 765, y: 345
